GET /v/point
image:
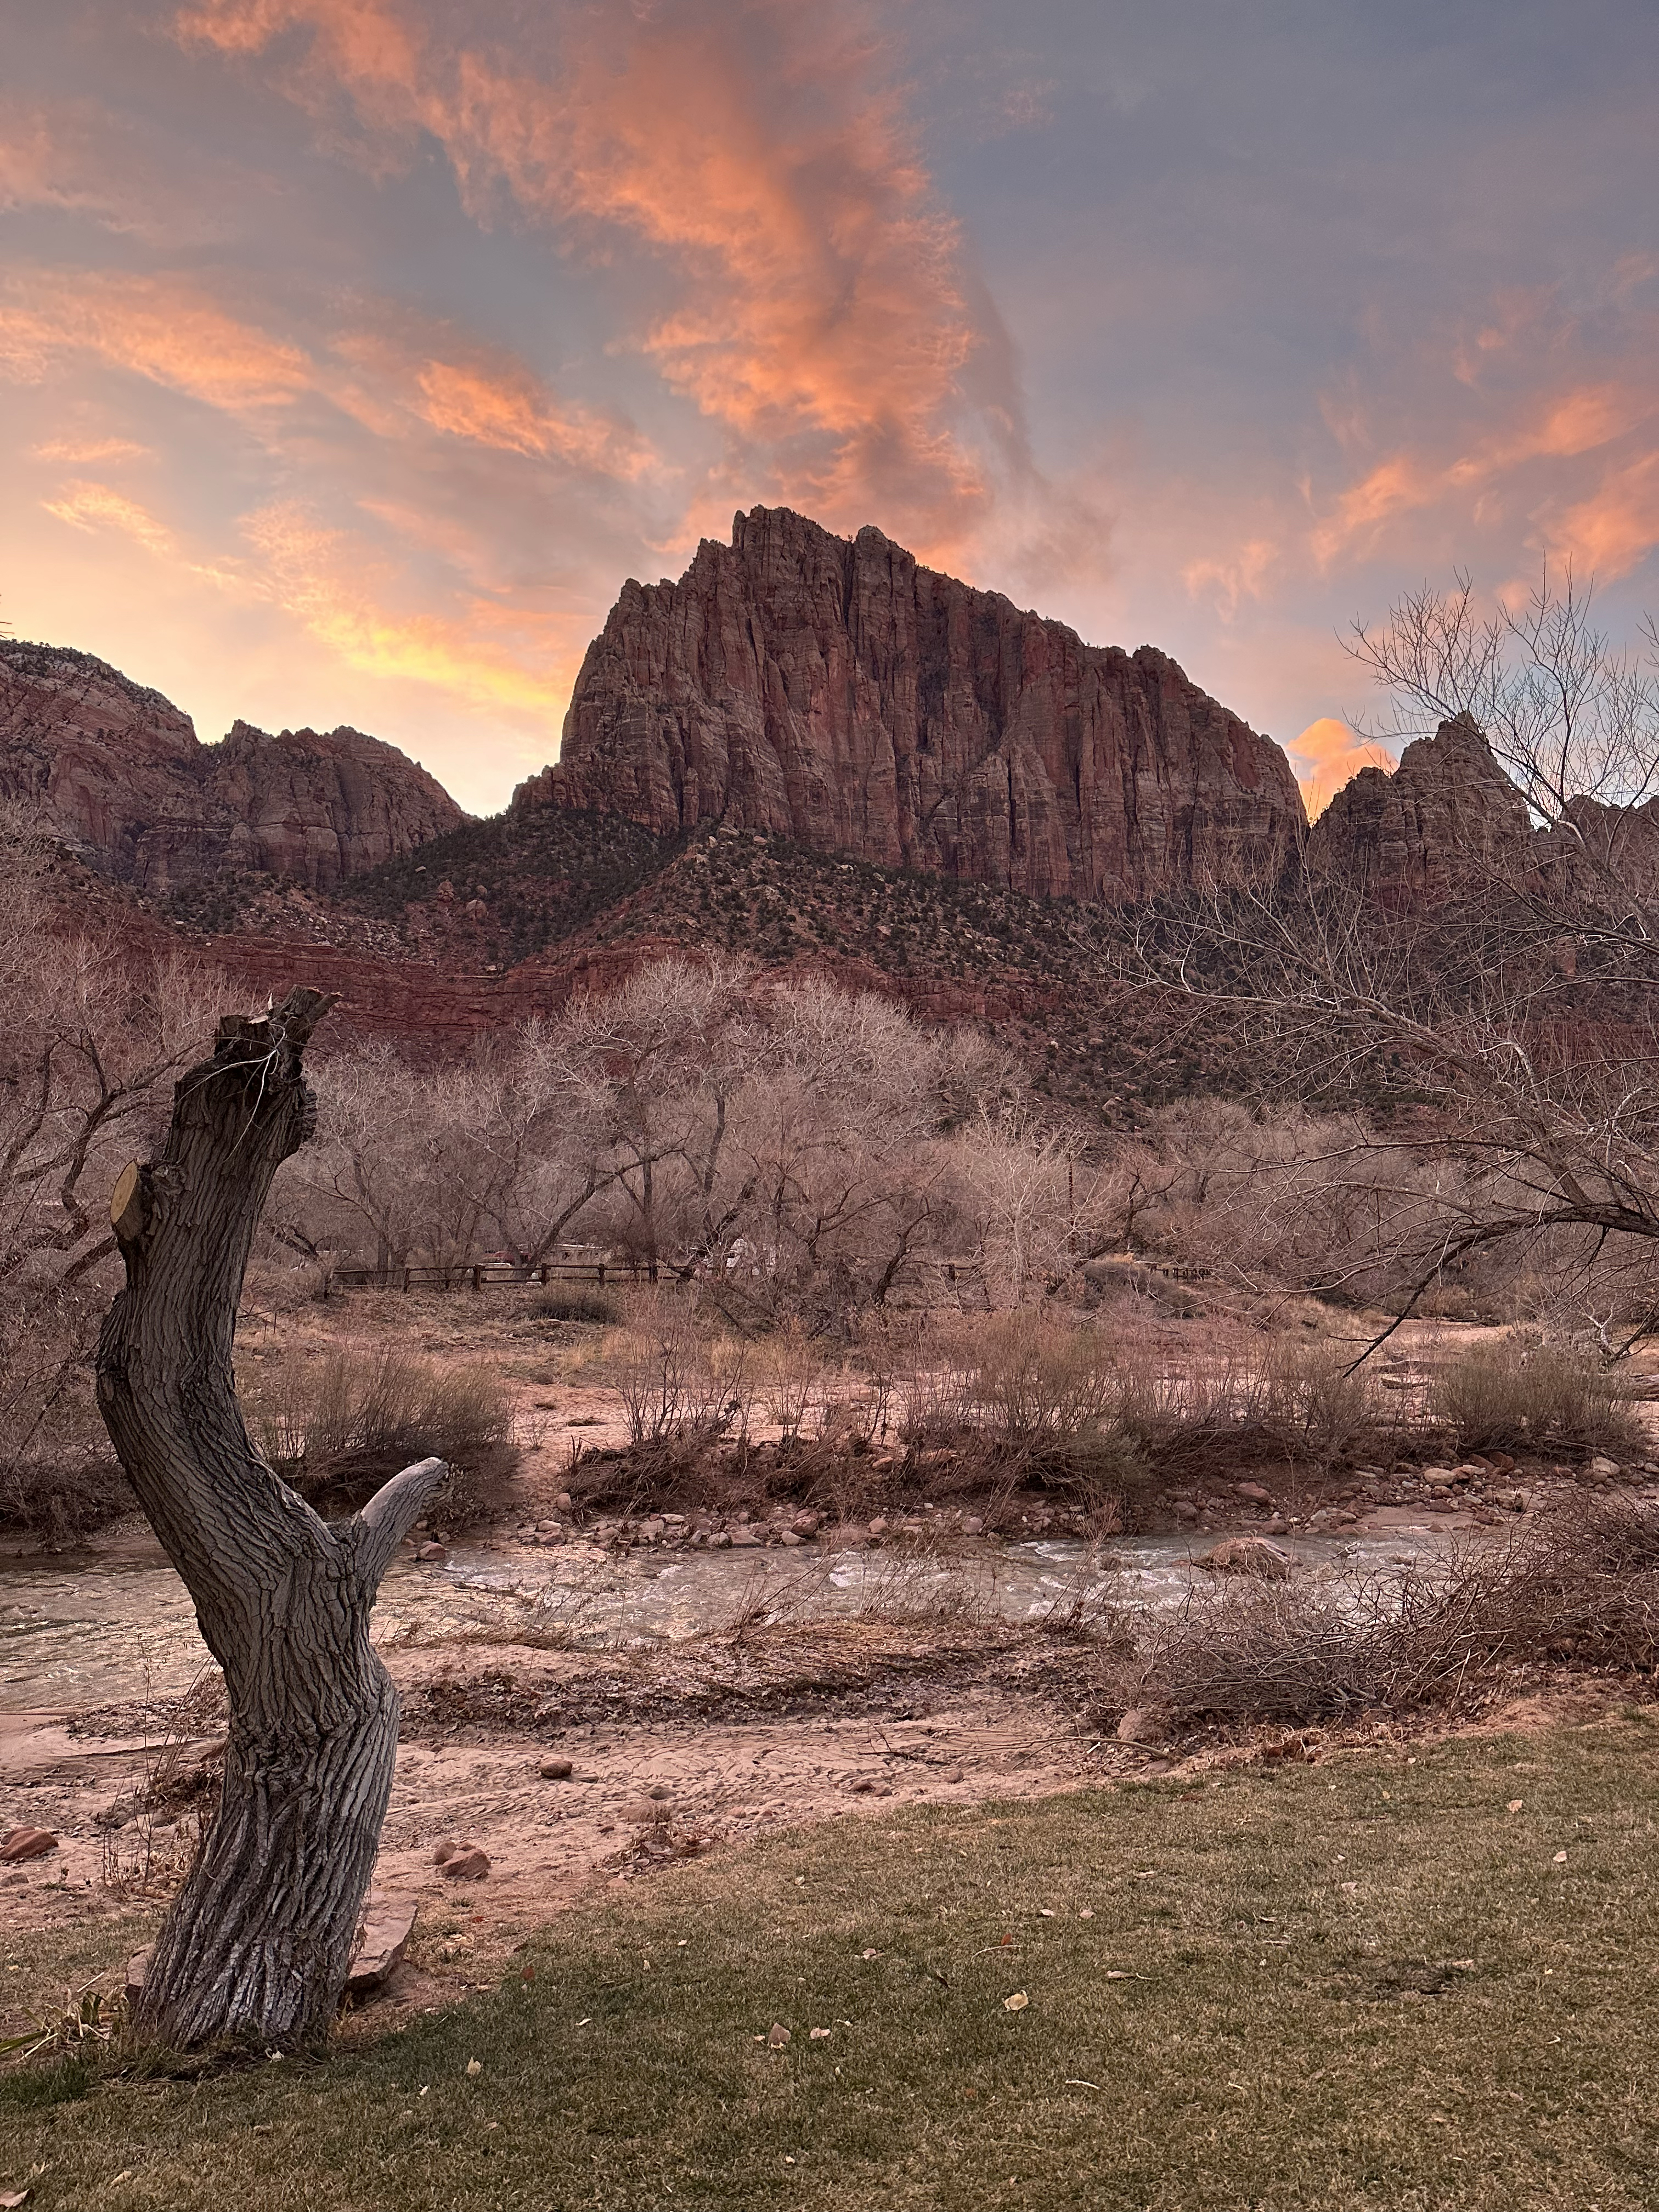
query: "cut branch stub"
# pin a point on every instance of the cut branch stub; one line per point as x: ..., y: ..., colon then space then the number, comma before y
x: 260, y: 1939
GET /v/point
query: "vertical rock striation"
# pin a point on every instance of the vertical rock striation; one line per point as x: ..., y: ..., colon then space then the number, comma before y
x: 835, y: 692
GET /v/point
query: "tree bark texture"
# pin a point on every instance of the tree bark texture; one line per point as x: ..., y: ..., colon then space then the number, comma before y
x: 260, y: 1939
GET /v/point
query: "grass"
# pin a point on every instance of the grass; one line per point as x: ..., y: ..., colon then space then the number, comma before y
x: 1364, y: 1983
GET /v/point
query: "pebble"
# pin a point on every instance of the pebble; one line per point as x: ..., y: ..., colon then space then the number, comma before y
x: 556, y: 1769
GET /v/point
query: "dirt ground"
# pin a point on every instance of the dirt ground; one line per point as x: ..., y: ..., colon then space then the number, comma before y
x: 644, y: 1788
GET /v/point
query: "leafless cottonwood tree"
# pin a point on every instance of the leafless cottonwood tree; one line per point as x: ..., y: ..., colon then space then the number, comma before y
x: 93, y: 1029
x: 259, y: 1940
x: 1513, y: 1018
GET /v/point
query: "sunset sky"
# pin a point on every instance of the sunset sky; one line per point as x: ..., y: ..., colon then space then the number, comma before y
x: 352, y: 352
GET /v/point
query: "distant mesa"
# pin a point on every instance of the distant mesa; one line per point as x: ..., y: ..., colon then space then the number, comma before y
x: 116, y: 772
x: 833, y: 691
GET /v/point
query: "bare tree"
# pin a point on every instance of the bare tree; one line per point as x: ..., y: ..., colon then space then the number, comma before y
x: 258, y: 1940
x: 1572, y: 716
x: 93, y: 1029
x: 1508, y: 1029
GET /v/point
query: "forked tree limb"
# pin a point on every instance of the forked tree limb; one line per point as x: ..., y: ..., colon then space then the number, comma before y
x: 260, y: 1939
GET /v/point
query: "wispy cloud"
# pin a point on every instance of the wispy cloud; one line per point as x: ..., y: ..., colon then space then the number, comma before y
x: 811, y: 294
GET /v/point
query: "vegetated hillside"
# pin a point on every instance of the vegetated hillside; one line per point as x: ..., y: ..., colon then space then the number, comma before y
x: 527, y: 902
x: 485, y: 896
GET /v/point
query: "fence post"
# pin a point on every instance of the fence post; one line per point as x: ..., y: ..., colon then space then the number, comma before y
x: 406, y: 1279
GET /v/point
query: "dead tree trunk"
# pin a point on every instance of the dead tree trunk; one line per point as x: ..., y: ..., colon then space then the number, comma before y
x: 260, y: 1939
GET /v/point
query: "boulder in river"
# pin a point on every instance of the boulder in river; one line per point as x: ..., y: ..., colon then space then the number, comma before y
x: 1247, y: 1555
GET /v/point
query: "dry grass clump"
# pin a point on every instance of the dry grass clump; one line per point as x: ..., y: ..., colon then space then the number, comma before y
x: 570, y: 1303
x: 337, y: 1429
x: 1517, y: 1393
x: 1102, y: 1410
x: 1583, y: 1584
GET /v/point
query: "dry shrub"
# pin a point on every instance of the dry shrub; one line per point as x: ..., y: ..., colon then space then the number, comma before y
x: 679, y: 1383
x: 1517, y: 1393
x: 1101, y: 1411
x: 1583, y: 1583
x: 346, y: 1423
x: 593, y: 1308
x: 790, y: 1368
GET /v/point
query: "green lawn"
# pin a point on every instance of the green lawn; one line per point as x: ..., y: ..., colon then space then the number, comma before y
x: 1362, y: 1983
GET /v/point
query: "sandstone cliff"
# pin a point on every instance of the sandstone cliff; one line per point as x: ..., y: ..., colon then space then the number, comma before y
x: 1446, y: 819
x: 116, y: 772
x: 835, y: 692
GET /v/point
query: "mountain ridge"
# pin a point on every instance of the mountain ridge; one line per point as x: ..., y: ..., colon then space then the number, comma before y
x: 836, y: 691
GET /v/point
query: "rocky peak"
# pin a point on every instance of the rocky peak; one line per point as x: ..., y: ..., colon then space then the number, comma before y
x: 1410, y: 836
x: 323, y: 806
x: 835, y: 691
x: 116, y: 772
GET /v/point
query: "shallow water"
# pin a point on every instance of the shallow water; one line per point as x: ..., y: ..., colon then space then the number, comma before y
x: 100, y: 1628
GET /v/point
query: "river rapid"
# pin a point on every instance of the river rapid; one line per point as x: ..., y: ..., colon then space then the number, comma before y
x: 115, y: 1625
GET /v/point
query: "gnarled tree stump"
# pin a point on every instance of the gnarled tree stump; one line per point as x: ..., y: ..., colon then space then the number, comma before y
x: 260, y: 1939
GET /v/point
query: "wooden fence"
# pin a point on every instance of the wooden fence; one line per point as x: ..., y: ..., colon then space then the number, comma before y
x: 601, y: 1274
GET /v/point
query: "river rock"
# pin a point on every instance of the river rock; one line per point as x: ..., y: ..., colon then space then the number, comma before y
x: 20, y: 1843
x: 1252, y: 1493
x: 556, y: 1769
x: 1247, y: 1555
x: 380, y: 1947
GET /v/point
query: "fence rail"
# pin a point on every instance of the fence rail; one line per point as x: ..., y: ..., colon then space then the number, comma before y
x: 499, y: 1275
x: 502, y: 1274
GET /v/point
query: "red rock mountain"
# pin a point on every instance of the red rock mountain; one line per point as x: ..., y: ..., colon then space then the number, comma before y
x: 116, y: 772
x: 1411, y: 838
x: 835, y: 692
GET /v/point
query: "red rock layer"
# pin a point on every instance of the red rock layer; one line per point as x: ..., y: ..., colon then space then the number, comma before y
x: 837, y: 693
x: 116, y: 772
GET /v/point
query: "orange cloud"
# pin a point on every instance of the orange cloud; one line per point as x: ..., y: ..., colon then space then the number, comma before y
x: 1564, y: 425
x: 822, y: 311
x: 327, y: 581
x: 159, y: 328
x: 1607, y: 534
x: 1230, y: 581
x: 94, y: 505
x: 88, y: 453
x: 1328, y: 755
